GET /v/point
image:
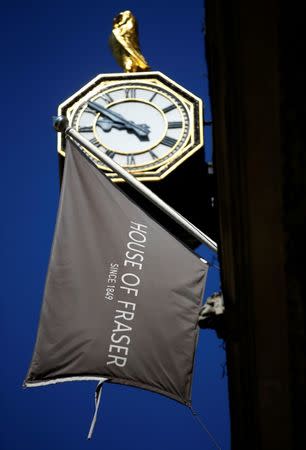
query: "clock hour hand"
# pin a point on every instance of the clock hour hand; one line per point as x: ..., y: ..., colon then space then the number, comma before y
x: 141, y: 131
x: 107, y: 124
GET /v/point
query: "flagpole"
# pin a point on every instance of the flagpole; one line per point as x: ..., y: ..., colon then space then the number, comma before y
x: 61, y: 125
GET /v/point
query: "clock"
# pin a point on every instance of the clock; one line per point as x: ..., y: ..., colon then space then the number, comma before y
x: 145, y: 122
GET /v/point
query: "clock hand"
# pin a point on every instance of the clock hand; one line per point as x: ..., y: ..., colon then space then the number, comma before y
x: 107, y: 124
x: 141, y: 131
x: 115, y: 117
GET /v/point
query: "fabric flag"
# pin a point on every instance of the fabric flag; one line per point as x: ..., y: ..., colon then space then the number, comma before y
x: 122, y: 295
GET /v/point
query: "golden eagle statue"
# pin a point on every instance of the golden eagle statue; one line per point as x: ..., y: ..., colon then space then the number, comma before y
x: 125, y: 45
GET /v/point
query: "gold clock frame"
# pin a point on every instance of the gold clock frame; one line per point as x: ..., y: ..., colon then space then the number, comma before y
x: 192, y: 103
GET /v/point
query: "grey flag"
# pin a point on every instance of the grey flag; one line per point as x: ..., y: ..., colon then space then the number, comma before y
x: 122, y: 295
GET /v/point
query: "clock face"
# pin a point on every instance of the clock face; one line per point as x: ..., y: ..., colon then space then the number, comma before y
x: 137, y: 125
x: 142, y: 124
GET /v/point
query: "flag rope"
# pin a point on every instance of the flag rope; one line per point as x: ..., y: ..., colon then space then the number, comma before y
x: 97, y: 404
x: 204, y: 427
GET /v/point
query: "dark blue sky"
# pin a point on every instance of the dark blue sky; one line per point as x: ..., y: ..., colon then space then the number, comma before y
x: 48, y: 51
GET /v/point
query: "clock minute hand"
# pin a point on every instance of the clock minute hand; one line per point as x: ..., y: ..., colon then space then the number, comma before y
x: 115, y: 117
x: 142, y: 131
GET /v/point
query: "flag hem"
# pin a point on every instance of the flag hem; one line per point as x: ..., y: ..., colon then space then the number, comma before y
x: 189, y: 383
x: 30, y: 384
x: 122, y: 381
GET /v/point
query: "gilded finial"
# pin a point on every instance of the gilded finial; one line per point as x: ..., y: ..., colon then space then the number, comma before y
x: 124, y: 43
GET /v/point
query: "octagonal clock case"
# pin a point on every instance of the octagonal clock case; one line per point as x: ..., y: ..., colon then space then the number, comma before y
x: 145, y: 122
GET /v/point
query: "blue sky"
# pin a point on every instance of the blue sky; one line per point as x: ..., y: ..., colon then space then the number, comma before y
x: 49, y: 50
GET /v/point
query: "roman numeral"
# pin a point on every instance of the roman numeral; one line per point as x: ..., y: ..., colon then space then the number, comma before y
x: 168, y: 141
x: 95, y: 141
x: 110, y: 154
x: 169, y: 108
x: 130, y: 93
x: 175, y: 125
x: 107, y: 98
x: 85, y: 130
x: 131, y: 159
x: 153, y: 96
x: 154, y: 156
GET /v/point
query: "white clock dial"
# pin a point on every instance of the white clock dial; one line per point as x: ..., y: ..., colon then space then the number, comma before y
x: 137, y: 124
